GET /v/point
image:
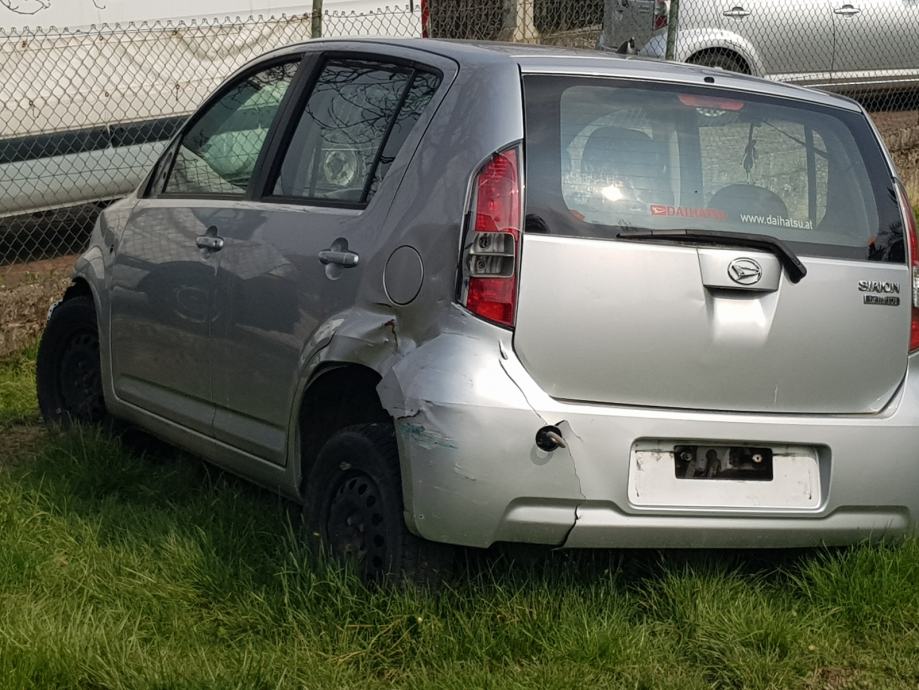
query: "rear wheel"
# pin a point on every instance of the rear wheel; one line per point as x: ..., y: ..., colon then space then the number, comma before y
x: 68, y: 371
x: 354, y: 510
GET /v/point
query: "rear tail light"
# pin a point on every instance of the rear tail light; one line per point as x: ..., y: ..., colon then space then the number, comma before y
x: 909, y: 220
x: 425, y: 18
x: 491, y: 252
x: 661, y: 15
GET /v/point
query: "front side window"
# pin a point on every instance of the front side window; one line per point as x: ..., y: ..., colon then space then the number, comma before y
x: 607, y: 155
x: 218, y: 153
x: 353, y: 125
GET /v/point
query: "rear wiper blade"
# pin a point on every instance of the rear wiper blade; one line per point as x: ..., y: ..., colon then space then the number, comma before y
x: 789, y: 260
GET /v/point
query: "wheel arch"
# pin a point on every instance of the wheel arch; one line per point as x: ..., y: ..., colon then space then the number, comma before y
x: 89, y: 280
x: 730, y: 52
x: 338, y: 395
x: 692, y: 42
x: 79, y: 287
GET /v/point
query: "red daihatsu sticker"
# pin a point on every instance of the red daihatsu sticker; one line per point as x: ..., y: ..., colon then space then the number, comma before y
x: 688, y: 212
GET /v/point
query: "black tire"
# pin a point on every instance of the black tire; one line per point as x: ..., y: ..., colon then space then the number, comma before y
x: 68, y: 372
x: 354, y: 511
x: 725, y: 61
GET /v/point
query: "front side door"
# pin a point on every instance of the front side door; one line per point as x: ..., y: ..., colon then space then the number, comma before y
x: 794, y: 40
x: 165, y: 272
x: 876, y: 39
x: 299, y: 255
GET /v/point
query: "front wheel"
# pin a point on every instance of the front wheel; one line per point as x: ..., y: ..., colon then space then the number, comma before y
x: 68, y: 371
x: 354, y: 509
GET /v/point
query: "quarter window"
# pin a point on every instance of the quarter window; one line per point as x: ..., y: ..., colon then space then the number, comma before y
x: 354, y: 123
x: 218, y: 153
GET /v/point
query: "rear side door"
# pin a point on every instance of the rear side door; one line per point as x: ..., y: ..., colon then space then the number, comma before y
x: 794, y: 40
x: 164, y: 277
x: 876, y: 38
x: 610, y: 313
x: 310, y: 240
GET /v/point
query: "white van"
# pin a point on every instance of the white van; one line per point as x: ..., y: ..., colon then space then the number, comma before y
x: 18, y: 14
x: 85, y: 110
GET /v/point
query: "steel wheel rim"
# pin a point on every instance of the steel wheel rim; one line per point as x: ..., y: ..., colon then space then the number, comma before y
x: 79, y: 377
x: 356, y: 525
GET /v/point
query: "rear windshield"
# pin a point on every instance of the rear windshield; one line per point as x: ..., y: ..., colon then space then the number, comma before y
x: 606, y: 155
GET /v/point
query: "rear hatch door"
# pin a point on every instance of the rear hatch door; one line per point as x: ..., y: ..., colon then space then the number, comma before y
x: 618, y: 305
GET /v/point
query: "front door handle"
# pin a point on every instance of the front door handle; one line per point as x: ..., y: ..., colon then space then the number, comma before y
x: 737, y: 12
x: 210, y: 242
x: 343, y: 258
x: 847, y: 10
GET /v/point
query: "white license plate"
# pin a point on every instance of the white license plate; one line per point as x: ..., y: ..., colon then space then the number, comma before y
x: 655, y: 481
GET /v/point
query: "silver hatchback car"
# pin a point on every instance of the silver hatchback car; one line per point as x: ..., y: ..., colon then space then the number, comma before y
x: 850, y: 46
x: 447, y: 293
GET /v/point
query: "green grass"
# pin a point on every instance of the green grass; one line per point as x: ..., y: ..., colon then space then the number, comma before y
x: 120, y: 569
x: 17, y: 389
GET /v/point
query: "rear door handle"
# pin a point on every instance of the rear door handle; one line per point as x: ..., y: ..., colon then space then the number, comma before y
x: 212, y: 243
x: 737, y: 12
x: 346, y: 259
x: 847, y: 10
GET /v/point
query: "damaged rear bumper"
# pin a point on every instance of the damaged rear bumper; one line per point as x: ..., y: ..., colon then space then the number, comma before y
x: 467, y: 414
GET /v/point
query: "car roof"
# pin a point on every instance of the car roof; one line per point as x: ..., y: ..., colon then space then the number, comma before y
x: 544, y: 59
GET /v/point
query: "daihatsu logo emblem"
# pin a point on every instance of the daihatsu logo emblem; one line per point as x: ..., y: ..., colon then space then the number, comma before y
x: 745, y: 271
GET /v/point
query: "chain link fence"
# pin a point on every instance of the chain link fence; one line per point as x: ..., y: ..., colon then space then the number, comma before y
x: 865, y: 49
x: 85, y: 113
x: 571, y: 23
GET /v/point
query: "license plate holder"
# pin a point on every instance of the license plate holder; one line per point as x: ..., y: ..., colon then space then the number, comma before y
x: 787, y: 477
x: 699, y: 462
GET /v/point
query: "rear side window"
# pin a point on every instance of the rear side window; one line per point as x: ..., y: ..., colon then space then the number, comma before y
x: 605, y: 155
x: 354, y: 124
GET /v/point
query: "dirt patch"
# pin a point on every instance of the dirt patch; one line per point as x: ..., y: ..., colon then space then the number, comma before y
x: 26, y: 293
x: 901, y: 134
x: 904, y: 147
x: 29, y: 273
x: 18, y: 442
x: 828, y: 678
x: 893, y: 121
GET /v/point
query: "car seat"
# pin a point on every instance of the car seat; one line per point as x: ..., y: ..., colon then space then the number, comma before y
x: 737, y: 199
x: 631, y: 157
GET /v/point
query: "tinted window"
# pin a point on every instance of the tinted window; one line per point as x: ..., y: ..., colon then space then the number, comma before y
x: 416, y: 100
x: 605, y: 155
x: 218, y: 153
x: 355, y: 121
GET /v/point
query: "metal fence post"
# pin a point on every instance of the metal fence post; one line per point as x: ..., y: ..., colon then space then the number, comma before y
x: 672, y: 28
x: 517, y: 25
x: 316, y: 20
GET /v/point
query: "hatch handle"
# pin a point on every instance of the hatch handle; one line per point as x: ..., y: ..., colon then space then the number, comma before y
x: 737, y: 12
x: 847, y: 10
